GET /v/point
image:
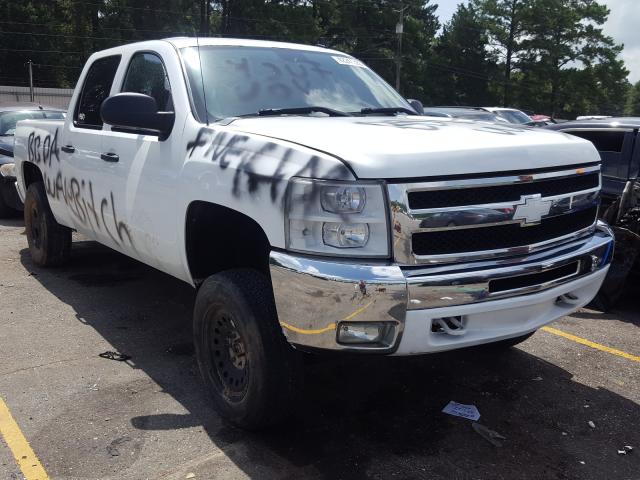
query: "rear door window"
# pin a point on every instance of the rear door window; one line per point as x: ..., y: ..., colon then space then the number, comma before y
x: 614, y: 147
x: 96, y: 88
x: 603, y: 140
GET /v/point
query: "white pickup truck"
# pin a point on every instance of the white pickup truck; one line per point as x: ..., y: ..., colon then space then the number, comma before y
x: 312, y: 207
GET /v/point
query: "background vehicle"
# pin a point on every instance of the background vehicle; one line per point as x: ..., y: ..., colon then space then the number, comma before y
x: 293, y: 188
x: 511, y: 115
x: 543, y: 120
x: 468, y: 113
x: 10, y: 203
x: 618, y: 142
x: 593, y: 117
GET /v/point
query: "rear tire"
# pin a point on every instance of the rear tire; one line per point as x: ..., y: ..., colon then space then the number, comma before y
x: 49, y: 242
x: 251, y: 371
x: 5, y: 210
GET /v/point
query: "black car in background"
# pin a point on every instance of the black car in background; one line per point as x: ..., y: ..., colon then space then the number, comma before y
x: 10, y: 203
x: 618, y: 141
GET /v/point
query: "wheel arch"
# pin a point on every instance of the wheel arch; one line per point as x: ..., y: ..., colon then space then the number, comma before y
x: 30, y: 174
x: 220, y: 238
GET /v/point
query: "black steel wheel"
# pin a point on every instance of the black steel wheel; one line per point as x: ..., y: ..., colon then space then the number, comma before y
x: 228, y: 363
x: 251, y: 371
x: 49, y: 242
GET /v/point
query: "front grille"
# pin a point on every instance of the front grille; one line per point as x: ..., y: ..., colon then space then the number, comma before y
x: 501, y: 193
x: 501, y: 236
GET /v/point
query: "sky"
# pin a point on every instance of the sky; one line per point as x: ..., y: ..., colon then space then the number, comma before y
x: 623, y: 25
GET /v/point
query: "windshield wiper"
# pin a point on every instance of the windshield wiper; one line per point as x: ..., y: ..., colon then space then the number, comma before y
x: 387, y: 110
x: 301, y: 111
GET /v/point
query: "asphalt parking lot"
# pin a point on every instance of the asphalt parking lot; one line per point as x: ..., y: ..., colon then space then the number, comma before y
x: 87, y: 417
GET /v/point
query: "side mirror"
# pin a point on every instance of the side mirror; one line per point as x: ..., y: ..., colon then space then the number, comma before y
x: 138, y: 112
x: 416, y: 105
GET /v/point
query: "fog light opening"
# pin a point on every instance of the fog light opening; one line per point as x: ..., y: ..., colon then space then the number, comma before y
x: 366, y: 333
x: 568, y: 299
x: 449, y: 325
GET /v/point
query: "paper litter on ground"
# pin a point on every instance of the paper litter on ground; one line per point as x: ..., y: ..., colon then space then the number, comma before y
x: 460, y: 410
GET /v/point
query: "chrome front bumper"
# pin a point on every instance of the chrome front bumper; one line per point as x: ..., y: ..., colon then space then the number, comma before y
x: 314, y: 295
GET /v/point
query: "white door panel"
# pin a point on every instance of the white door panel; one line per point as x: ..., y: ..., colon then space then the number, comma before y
x: 89, y: 197
x: 145, y: 179
x: 81, y: 180
x: 143, y: 207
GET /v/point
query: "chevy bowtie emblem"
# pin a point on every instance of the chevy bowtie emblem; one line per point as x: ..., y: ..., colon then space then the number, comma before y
x: 531, y: 209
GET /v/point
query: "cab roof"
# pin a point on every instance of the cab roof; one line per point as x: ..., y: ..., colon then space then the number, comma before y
x: 182, y: 42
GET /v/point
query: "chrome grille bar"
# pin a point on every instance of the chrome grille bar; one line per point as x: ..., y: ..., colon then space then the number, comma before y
x: 497, y: 180
x: 530, y: 209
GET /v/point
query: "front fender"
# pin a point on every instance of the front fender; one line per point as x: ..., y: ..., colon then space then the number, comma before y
x: 250, y: 173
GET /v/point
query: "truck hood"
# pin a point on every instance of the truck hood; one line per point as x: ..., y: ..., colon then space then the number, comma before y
x: 409, y: 147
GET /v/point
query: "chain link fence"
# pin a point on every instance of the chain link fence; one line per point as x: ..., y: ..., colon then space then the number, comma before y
x: 47, y: 97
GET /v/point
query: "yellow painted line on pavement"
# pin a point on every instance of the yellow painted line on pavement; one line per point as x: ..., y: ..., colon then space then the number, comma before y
x: 331, y: 326
x: 25, y: 458
x: 591, y: 344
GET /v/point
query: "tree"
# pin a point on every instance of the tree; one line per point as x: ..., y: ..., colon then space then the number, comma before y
x: 461, y: 62
x: 611, y: 87
x: 561, y: 33
x: 366, y: 29
x: 633, y: 105
x: 544, y: 55
x: 506, y: 23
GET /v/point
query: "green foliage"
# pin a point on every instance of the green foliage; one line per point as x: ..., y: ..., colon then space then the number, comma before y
x: 544, y: 55
x: 561, y: 34
x: 633, y: 105
x: 462, y: 38
x: 505, y: 22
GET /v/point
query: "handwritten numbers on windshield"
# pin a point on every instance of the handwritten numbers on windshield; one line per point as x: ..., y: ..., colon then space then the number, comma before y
x: 277, y: 80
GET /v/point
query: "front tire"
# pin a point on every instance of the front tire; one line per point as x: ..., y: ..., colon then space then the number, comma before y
x: 49, y: 242
x: 249, y: 368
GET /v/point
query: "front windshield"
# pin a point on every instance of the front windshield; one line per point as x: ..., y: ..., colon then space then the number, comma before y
x: 8, y: 120
x: 514, y: 116
x: 244, y: 80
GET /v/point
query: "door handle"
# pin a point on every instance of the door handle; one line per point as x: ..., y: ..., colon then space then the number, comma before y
x: 110, y: 157
x: 68, y: 148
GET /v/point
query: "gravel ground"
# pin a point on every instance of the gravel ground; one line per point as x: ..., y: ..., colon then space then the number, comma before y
x: 361, y: 418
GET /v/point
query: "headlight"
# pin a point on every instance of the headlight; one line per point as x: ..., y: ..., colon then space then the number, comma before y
x: 345, y: 235
x: 337, y: 218
x: 8, y: 170
x: 343, y: 199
